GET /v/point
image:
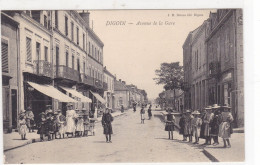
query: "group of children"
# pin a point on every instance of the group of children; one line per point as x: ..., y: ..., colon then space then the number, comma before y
x: 213, y: 122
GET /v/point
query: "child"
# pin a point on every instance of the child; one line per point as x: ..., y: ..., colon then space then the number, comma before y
x: 80, y: 126
x: 50, y: 125
x: 196, y: 125
x: 22, y: 126
x: 61, y: 119
x: 41, y: 125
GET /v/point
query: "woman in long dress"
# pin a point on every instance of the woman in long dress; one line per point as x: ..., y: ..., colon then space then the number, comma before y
x: 70, y: 120
x: 187, y: 125
x: 170, y: 122
x: 225, y: 128
x: 61, y: 123
x: 107, y: 119
x: 196, y: 125
x: 22, y: 126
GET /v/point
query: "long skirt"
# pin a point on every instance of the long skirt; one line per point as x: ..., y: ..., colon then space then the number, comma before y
x: 169, y: 126
x: 214, y: 130
x: 80, y: 127
x: 196, y: 131
x: 187, y: 130
x: 207, y: 130
x: 61, y: 129
x: 181, y: 130
x: 202, y: 130
x: 71, y: 126
x: 224, y: 130
x: 108, y: 129
x: 142, y: 116
x: 23, y: 129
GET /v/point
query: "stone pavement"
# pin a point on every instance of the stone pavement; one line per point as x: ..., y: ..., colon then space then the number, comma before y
x: 13, y: 140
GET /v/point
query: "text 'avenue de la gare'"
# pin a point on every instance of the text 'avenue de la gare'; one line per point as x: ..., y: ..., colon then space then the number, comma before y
x: 152, y: 23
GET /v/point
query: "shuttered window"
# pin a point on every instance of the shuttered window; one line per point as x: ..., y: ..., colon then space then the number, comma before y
x: 29, y: 49
x: 4, y: 57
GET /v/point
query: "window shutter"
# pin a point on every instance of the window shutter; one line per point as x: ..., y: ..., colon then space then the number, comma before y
x: 4, y: 57
x: 29, y: 49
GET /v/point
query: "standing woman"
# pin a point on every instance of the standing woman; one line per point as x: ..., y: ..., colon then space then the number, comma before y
x: 42, y: 125
x: 207, y: 119
x: 196, y: 125
x: 106, y: 123
x: 214, y: 124
x: 170, y: 122
x: 142, y: 112
x: 22, y: 125
x: 70, y: 120
x: 182, y: 124
x: 225, y: 129
x: 202, y: 129
x: 29, y: 119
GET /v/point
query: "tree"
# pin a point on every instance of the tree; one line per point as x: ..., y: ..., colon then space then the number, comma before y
x: 171, y: 76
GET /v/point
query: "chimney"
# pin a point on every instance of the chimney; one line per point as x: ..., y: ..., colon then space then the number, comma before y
x: 85, y: 17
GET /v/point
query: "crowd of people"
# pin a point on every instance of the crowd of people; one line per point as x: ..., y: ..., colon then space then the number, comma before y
x: 213, y: 122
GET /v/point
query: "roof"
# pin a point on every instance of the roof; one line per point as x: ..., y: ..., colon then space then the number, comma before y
x: 108, y: 73
x: 119, y: 86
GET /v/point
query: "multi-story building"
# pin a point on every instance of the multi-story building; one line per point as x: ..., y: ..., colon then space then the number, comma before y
x: 10, y: 65
x: 122, y: 96
x: 109, y: 79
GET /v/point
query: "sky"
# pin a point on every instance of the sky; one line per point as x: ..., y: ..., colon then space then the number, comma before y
x: 136, y: 42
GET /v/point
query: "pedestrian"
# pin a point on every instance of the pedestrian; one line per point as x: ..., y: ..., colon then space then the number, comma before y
x: 55, y: 124
x: 42, y: 125
x: 29, y: 116
x: 48, y: 109
x: 50, y: 128
x: 225, y: 128
x: 214, y: 124
x: 70, y: 120
x: 182, y: 124
x: 142, y: 112
x: 86, y: 124
x: 134, y: 106
x: 187, y: 125
x: 107, y: 119
x: 170, y: 122
x: 202, y: 129
x: 61, y: 120
x: 207, y: 119
x: 150, y: 111
x: 80, y: 126
x: 122, y: 108
x: 22, y: 127
x: 196, y: 125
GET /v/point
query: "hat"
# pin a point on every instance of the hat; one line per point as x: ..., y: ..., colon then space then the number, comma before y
x: 42, y: 113
x: 215, y: 106
x: 196, y: 112
x: 208, y: 108
x: 29, y: 108
x: 226, y: 106
x: 188, y: 111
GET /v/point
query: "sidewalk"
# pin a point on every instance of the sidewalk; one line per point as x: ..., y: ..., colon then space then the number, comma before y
x: 13, y: 140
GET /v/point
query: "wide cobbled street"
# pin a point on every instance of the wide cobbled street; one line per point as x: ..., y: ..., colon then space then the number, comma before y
x: 131, y: 142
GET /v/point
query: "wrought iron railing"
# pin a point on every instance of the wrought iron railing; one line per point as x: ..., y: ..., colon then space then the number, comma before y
x: 62, y: 71
x: 43, y: 68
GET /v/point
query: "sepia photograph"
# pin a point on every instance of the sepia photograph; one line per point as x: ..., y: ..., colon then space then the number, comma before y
x: 122, y: 86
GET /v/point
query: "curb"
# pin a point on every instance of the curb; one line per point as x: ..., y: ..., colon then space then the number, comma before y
x: 210, y: 156
x: 38, y: 139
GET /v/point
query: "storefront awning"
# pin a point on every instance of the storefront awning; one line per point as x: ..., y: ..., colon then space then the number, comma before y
x: 52, y: 92
x: 77, y: 94
x: 98, y: 97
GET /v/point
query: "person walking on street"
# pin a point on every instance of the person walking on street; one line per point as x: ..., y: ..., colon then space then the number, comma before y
x: 214, y: 124
x: 187, y: 125
x: 170, y: 122
x: 42, y: 125
x: 225, y: 128
x: 134, y: 106
x: 142, y: 112
x: 107, y: 119
x: 207, y: 119
x: 182, y: 124
x: 150, y: 111
x: 29, y: 116
x: 196, y: 125
x: 22, y: 127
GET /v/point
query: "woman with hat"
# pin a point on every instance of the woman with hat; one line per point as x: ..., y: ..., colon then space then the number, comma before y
x: 41, y: 125
x: 187, y: 125
x: 196, y: 124
x: 61, y: 119
x: 225, y: 128
x: 207, y: 119
x: 71, y: 115
x: 170, y: 122
x: 214, y: 124
x: 22, y: 127
x: 107, y: 119
x: 29, y: 119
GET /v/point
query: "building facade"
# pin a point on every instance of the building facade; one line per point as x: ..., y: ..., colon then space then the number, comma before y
x: 109, y: 89
x: 122, y: 96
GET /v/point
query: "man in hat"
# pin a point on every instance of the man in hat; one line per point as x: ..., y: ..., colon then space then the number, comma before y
x: 196, y: 124
x: 29, y: 119
x: 214, y: 124
x: 225, y: 128
x: 187, y: 125
x: 207, y: 119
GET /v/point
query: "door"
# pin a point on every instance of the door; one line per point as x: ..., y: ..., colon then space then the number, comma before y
x: 14, y: 108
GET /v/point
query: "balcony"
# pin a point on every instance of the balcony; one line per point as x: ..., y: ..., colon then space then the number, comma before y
x: 87, y: 79
x: 98, y: 83
x: 42, y: 68
x: 214, y: 69
x: 65, y: 72
x: 105, y: 86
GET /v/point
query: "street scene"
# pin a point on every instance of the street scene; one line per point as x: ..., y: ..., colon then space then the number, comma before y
x: 117, y: 86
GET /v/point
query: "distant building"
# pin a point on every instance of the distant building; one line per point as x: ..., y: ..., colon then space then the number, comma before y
x: 109, y: 92
x: 121, y: 94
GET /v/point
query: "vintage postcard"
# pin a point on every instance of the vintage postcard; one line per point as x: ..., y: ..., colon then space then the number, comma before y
x: 122, y: 86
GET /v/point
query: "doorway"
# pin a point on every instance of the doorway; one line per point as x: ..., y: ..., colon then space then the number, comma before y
x: 14, y: 108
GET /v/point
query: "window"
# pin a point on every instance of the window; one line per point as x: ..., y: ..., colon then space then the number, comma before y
x: 45, y: 53
x: 89, y: 47
x: 56, y: 19
x: 83, y: 41
x: 78, y: 66
x: 95, y: 53
x: 29, y: 49
x: 72, y: 61
x: 84, y: 68
x: 45, y: 21
x: 38, y: 51
x: 4, y: 50
x: 67, y: 59
x: 77, y: 35
x: 98, y: 55
x: 66, y: 25
x: 72, y: 31
x: 92, y: 51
